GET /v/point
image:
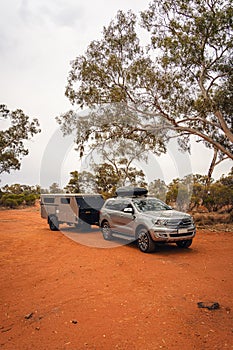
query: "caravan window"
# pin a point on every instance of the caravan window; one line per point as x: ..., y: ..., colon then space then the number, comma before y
x: 65, y: 200
x: 48, y: 200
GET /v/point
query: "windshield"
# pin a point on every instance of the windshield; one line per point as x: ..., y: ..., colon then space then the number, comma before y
x: 150, y: 204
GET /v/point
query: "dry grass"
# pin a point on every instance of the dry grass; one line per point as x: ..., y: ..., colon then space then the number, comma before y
x: 216, y: 221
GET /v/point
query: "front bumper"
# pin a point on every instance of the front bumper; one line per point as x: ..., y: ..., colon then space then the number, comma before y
x: 165, y: 234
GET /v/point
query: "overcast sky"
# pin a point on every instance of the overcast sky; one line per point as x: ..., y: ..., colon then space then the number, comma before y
x: 38, y: 39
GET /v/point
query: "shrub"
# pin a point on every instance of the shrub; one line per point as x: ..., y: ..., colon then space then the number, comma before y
x: 209, y: 219
x: 12, y: 200
x: 30, y: 199
x: 11, y: 203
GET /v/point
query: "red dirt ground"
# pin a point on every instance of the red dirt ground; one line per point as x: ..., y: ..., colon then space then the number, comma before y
x: 59, y: 294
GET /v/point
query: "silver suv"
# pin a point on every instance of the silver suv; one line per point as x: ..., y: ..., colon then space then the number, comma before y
x: 145, y: 219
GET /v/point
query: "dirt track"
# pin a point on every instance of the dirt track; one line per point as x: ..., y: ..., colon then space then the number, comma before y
x: 59, y: 294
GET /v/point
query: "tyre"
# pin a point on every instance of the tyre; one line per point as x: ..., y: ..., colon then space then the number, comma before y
x: 53, y: 223
x: 184, y: 244
x: 106, y: 231
x: 145, y: 242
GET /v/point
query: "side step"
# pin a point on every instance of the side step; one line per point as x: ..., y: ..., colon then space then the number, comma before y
x: 122, y: 236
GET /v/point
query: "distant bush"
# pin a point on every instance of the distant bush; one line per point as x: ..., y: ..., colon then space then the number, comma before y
x: 12, y: 200
x: 209, y: 219
x: 192, y: 193
x: 30, y: 199
x: 11, y: 203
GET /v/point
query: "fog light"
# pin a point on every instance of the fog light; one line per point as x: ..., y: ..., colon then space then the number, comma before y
x: 162, y: 235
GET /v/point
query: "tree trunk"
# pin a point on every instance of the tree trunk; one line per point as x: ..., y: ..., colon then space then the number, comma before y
x: 211, y: 169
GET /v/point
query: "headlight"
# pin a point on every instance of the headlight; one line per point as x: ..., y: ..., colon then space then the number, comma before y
x: 160, y: 222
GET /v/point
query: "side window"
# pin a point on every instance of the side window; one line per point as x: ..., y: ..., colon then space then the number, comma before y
x: 65, y: 200
x: 119, y: 206
x: 125, y: 204
x: 108, y: 205
x: 48, y: 200
x: 113, y: 205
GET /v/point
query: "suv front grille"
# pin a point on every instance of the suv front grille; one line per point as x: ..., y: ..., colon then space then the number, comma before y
x: 181, y: 223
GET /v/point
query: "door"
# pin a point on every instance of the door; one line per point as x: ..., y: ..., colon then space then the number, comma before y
x: 66, y: 213
x: 123, y: 220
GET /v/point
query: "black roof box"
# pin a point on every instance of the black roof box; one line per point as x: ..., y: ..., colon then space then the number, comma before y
x: 129, y: 191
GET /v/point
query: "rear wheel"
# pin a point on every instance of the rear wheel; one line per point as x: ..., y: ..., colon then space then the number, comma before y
x: 145, y: 242
x: 106, y: 231
x: 184, y: 244
x: 53, y: 223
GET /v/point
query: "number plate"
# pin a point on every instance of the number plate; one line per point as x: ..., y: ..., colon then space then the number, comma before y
x: 182, y: 230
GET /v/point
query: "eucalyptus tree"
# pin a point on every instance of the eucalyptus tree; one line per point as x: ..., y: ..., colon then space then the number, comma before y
x: 177, y: 86
x: 18, y: 128
x: 81, y: 182
x: 122, y: 154
x: 109, y: 176
x: 98, y: 80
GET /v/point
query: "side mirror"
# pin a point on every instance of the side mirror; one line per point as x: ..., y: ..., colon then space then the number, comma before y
x: 128, y: 210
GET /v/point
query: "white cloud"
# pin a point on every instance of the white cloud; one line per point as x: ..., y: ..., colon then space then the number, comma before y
x: 59, y: 12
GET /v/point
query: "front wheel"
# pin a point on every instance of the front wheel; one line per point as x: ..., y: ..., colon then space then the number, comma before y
x: 53, y: 223
x: 184, y: 244
x: 106, y: 231
x: 145, y: 242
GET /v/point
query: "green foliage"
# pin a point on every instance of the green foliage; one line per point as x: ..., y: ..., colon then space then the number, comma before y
x: 179, y: 193
x: 106, y: 179
x: 73, y: 185
x: 30, y: 199
x: 195, y: 39
x: 172, y: 191
x: 180, y: 86
x: 19, y: 129
x: 115, y: 168
x: 109, y: 176
x: 227, y: 180
x: 105, y: 65
x: 18, y: 189
x: 220, y: 194
x: 15, y: 195
x: 87, y: 182
x: 44, y: 190
x: 158, y: 188
x: 185, y: 194
x: 121, y: 154
x: 12, y: 200
x: 54, y: 188
x: 190, y: 193
x: 98, y: 78
x: 83, y: 182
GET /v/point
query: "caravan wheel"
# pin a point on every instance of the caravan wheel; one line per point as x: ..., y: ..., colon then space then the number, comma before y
x: 53, y: 223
